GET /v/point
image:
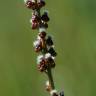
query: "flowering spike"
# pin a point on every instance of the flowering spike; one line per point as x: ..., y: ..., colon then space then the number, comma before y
x: 43, y: 43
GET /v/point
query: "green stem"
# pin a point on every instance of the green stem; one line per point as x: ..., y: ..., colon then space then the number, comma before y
x: 51, y: 81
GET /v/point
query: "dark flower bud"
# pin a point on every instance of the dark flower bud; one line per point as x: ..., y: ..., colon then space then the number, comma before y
x: 42, y: 66
x: 42, y: 34
x: 34, y: 25
x: 31, y: 5
x: 45, y: 17
x: 41, y: 3
x: 52, y: 52
x: 49, y: 41
x: 35, y: 18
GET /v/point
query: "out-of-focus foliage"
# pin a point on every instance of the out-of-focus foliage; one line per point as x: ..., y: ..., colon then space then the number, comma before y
x: 73, y: 25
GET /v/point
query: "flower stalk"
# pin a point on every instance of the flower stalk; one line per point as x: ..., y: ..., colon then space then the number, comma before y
x: 50, y: 78
x: 43, y: 44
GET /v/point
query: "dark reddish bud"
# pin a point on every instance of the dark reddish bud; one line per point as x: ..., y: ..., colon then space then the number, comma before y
x: 42, y: 66
x: 30, y: 4
x: 45, y: 17
x: 42, y: 34
x: 34, y: 25
x: 41, y: 3
x: 35, y: 18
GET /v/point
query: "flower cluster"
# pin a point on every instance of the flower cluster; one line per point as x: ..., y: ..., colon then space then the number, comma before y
x: 37, y: 19
x: 44, y: 43
x: 44, y: 61
x: 34, y: 4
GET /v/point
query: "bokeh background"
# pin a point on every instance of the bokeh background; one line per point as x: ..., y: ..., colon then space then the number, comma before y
x: 73, y: 26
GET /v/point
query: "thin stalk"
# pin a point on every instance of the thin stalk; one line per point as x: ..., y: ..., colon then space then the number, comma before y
x: 50, y: 77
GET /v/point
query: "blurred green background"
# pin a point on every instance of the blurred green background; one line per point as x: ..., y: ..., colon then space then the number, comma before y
x: 73, y: 25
